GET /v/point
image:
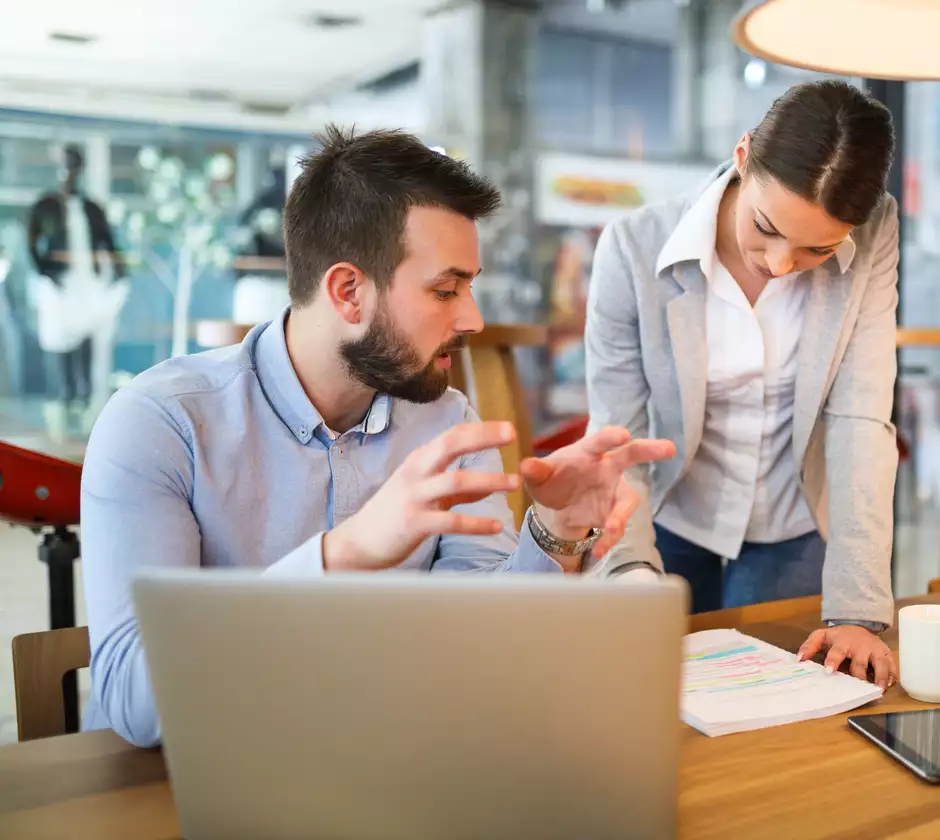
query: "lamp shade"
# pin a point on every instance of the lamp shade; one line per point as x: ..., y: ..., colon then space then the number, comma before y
x: 875, y: 39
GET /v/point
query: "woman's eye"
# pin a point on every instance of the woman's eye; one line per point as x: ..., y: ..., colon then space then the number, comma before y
x: 764, y: 231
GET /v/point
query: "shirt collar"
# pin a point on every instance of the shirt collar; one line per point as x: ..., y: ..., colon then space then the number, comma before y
x: 845, y: 254
x: 694, y: 236
x: 286, y: 395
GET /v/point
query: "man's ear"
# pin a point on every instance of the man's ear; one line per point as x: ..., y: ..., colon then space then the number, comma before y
x: 347, y: 288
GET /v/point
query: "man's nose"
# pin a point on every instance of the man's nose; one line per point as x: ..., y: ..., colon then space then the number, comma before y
x: 469, y: 319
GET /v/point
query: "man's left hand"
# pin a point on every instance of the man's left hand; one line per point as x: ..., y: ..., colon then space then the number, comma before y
x: 861, y: 646
x: 582, y: 486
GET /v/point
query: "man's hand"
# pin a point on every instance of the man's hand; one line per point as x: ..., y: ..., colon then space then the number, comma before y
x: 848, y: 641
x: 415, y: 502
x: 581, y: 486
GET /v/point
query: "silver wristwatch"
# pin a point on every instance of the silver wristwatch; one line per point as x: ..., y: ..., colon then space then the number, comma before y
x: 551, y: 544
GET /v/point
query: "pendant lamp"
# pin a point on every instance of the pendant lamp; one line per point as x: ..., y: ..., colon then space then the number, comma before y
x: 874, y: 39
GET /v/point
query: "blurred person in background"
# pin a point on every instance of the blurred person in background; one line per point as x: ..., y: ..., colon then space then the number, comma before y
x: 69, y: 236
x: 753, y: 322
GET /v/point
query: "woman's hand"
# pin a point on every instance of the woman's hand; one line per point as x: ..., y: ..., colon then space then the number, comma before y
x: 861, y: 646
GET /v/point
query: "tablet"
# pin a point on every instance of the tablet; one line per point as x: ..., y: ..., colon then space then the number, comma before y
x: 913, y: 738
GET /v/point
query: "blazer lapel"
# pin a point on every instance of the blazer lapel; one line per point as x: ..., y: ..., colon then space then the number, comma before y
x: 685, y: 315
x: 826, y: 310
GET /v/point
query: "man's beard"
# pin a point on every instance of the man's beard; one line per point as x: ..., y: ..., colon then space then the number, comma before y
x: 384, y: 360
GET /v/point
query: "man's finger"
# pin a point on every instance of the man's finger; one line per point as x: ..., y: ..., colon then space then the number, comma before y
x: 628, y: 500
x: 606, y: 543
x: 835, y: 658
x: 859, y: 667
x: 602, y: 441
x: 812, y: 646
x: 465, y: 486
x: 642, y: 451
x: 448, y: 522
x: 536, y: 471
x: 459, y: 440
x: 627, y: 503
x: 881, y: 662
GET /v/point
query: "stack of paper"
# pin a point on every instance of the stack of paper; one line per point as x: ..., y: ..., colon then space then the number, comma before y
x: 734, y: 683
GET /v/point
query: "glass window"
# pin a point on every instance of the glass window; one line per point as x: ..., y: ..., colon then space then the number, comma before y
x: 180, y: 203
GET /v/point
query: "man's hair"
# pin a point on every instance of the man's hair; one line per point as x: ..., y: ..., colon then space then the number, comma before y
x: 350, y: 201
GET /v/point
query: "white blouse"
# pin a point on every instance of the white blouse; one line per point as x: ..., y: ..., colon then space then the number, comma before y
x: 742, y: 483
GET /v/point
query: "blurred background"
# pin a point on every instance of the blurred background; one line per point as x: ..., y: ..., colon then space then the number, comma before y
x: 177, y: 125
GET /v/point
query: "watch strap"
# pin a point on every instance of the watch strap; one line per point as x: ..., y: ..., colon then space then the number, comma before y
x: 551, y: 544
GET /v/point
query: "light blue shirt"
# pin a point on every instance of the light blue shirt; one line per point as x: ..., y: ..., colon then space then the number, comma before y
x: 220, y: 459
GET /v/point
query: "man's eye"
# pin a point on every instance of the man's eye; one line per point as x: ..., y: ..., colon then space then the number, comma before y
x: 445, y: 294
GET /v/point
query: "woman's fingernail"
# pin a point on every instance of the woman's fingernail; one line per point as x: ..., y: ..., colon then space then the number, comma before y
x: 829, y: 669
x: 881, y: 685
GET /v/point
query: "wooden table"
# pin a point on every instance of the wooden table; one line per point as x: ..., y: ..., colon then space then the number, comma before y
x: 807, y: 781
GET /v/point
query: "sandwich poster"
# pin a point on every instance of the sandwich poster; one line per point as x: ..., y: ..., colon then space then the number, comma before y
x: 582, y: 191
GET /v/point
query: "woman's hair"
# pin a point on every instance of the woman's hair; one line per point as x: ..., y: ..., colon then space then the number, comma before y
x: 829, y: 143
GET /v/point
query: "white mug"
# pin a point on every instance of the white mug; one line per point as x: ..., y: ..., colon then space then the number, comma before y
x: 919, y: 649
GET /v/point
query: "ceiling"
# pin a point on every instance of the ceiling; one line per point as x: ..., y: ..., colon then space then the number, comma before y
x: 263, y: 54
x: 268, y: 65
x: 645, y: 20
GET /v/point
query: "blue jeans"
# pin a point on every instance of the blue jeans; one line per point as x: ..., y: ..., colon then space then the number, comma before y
x: 762, y: 571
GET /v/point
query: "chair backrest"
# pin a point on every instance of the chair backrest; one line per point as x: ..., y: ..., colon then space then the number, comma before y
x: 933, y: 586
x: 487, y: 373
x: 210, y: 334
x: 40, y: 661
x: 37, y: 489
x: 755, y: 613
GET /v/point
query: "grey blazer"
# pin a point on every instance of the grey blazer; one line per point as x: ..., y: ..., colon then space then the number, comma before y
x: 647, y: 370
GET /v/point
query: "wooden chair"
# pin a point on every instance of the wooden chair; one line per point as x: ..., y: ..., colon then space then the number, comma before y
x: 755, y: 613
x: 40, y: 661
x: 918, y: 337
x: 487, y: 373
x: 210, y: 334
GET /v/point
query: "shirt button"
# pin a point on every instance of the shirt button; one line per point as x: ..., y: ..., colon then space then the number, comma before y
x: 303, y: 431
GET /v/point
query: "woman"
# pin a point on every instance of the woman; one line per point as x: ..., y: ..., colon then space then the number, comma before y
x: 753, y: 323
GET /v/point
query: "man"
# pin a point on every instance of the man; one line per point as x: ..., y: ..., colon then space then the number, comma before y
x: 328, y: 440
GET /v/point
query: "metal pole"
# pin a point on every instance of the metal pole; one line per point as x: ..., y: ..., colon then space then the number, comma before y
x: 59, y: 550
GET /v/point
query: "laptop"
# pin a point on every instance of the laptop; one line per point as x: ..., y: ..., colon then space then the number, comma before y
x: 393, y: 706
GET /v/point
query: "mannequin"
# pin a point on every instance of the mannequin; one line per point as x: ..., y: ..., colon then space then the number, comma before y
x: 68, y: 235
x: 261, y: 284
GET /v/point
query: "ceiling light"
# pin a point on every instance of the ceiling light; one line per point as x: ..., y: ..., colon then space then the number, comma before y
x: 72, y: 37
x: 876, y: 39
x: 325, y: 21
x: 755, y: 73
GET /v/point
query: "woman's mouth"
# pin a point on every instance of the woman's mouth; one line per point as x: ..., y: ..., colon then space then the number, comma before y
x: 764, y: 272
